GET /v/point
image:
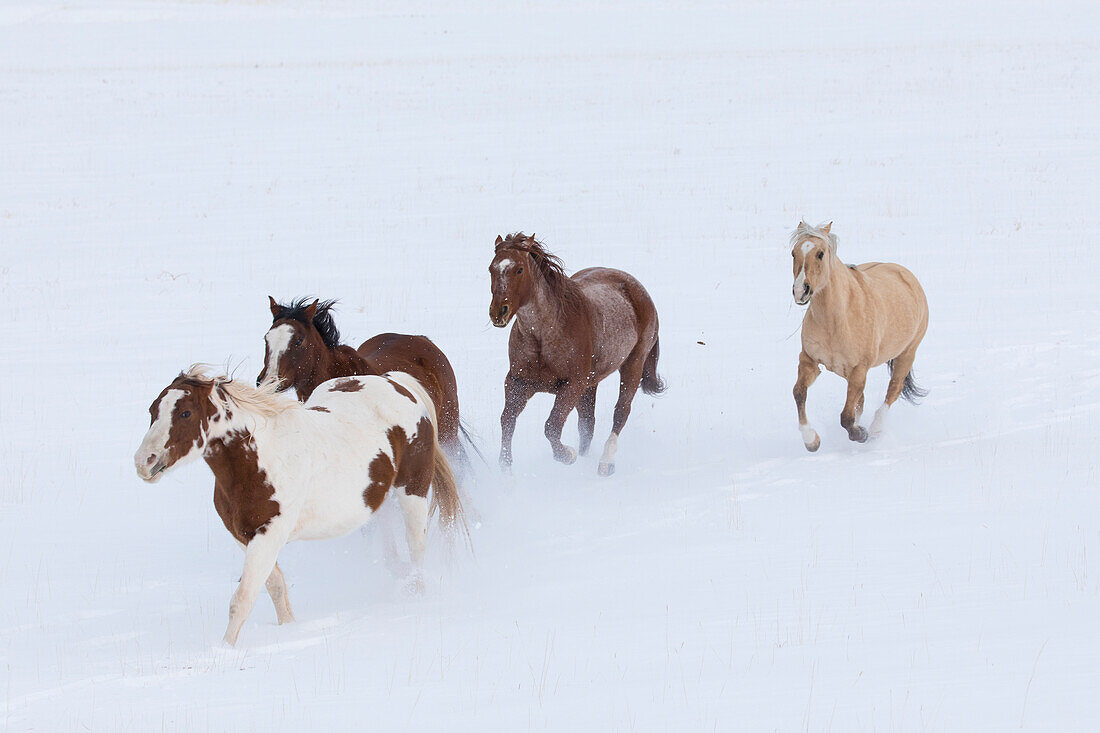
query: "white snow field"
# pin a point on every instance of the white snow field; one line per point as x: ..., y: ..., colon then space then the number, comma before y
x: 164, y: 167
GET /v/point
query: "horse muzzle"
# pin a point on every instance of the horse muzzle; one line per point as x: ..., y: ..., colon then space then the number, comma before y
x: 150, y: 468
x: 802, y: 298
x: 503, y: 315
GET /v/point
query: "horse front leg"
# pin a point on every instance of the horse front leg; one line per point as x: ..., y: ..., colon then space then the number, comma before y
x: 517, y: 393
x: 566, y: 400
x: 586, y: 419
x: 849, y: 419
x: 808, y: 372
x: 276, y: 588
x: 259, y: 562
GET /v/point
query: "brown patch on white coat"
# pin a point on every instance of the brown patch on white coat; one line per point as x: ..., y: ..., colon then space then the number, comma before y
x: 310, y: 353
x: 268, y: 488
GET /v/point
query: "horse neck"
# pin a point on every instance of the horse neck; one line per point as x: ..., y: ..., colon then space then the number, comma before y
x: 830, y: 305
x: 341, y: 361
x: 241, y: 440
x: 543, y: 311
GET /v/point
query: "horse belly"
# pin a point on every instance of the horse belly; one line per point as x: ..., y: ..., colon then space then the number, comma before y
x: 331, y: 514
x: 616, y: 328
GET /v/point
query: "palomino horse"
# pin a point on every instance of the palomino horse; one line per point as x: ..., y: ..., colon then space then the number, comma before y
x: 570, y: 333
x: 287, y: 471
x: 303, y: 349
x: 859, y: 317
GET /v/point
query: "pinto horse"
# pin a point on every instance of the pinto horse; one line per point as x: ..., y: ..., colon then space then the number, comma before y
x: 303, y: 349
x: 287, y: 471
x: 569, y: 334
x: 859, y: 316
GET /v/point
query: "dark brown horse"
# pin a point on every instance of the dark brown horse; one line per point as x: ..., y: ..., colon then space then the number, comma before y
x: 570, y: 333
x: 303, y: 349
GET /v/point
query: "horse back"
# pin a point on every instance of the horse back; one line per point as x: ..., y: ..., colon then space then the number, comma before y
x: 419, y: 357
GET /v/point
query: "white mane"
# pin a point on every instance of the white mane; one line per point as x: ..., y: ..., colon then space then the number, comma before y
x: 805, y: 231
x: 228, y: 393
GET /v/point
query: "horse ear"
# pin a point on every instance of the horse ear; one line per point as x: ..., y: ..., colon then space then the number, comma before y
x: 827, y: 228
x: 274, y: 307
x: 499, y: 240
x: 311, y: 309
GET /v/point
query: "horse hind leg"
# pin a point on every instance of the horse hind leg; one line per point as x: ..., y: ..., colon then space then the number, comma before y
x: 586, y: 419
x: 414, y: 507
x: 900, y: 367
x: 630, y: 378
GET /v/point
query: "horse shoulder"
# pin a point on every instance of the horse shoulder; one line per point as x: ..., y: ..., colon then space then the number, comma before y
x: 244, y: 494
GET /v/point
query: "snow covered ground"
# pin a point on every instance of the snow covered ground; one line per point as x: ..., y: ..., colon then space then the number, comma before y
x: 166, y: 166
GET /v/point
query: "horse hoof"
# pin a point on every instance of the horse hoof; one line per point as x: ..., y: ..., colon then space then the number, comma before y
x: 606, y: 469
x: 414, y: 585
x: 859, y: 435
x: 568, y: 456
x: 812, y: 447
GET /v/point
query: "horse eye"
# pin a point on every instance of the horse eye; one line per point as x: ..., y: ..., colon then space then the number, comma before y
x: 820, y: 255
x: 298, y: 341
x: 185, y: 414
x: 519, y: 271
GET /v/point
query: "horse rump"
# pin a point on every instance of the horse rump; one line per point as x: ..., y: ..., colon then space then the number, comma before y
x: 651, y: 382
x: 911, y: 392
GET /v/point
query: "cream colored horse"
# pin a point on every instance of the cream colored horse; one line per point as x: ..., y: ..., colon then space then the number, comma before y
x: 859, y: 316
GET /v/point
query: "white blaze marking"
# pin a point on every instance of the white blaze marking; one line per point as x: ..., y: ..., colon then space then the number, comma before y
x: 807, y: 246
x: 504, y: 265
x: 156, y: 440
x: 278, y: 339
x: 800, y: 282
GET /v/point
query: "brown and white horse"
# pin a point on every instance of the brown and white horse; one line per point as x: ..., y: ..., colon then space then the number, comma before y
x: 303, y: 349
x: 859, y: 317
x: 569, y: 334
x: 287, y: 471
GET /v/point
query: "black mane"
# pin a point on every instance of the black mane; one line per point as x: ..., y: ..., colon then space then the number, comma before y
x: 323, y: 322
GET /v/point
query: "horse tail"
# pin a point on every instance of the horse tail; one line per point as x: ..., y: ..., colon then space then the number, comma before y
x: 445, y: 495
x: 911, y: 392
x: 651, y: 381
x: 469, y: 441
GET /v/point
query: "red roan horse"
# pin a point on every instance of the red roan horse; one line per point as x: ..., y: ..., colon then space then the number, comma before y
x: 570, y: 333
x: 303, y: 349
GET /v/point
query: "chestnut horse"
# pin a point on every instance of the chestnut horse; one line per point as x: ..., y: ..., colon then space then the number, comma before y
x: 570, y: 333
x: 303, y: 349
x: 287, y: 471
x: 860, y: 316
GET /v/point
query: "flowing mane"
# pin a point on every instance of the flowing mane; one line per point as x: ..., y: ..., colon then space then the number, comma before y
x: 227, y: 393
x: 805, y: 231
x: 549, y: 267
x: 323, y: 322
